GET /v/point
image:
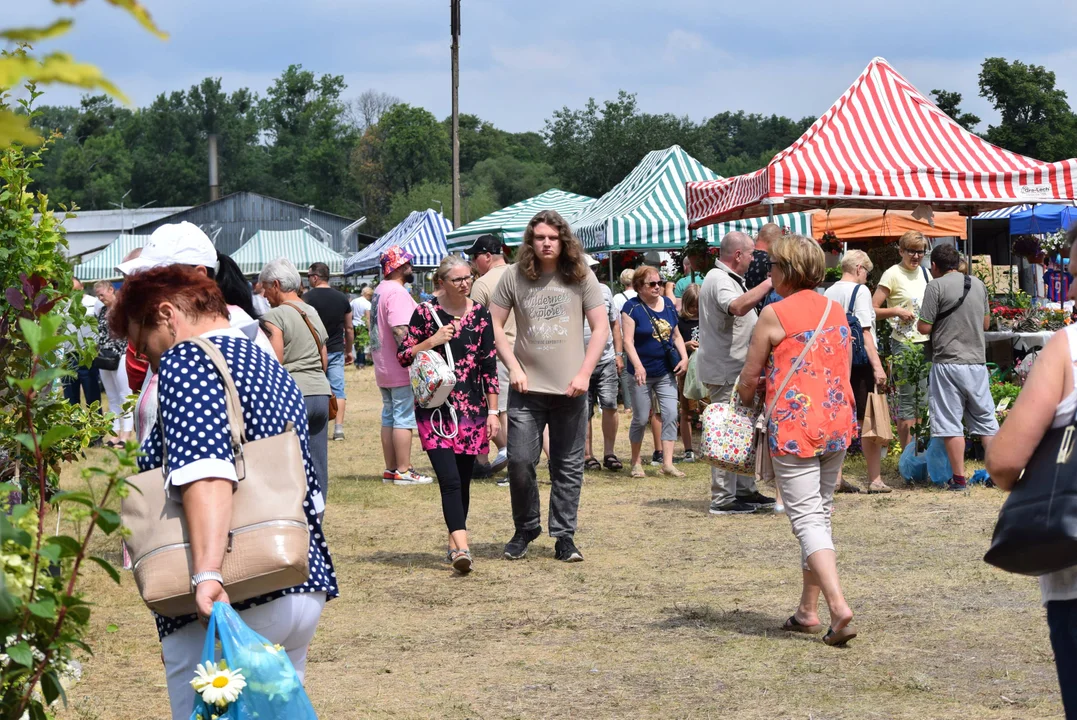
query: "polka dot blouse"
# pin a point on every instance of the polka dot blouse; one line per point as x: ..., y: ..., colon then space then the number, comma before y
x: 199, y: 443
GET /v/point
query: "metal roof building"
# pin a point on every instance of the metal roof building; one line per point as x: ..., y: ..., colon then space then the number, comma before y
x: 234, y: 219
x: 91, y: 230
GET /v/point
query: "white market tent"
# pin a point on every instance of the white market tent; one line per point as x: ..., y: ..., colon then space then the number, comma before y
x: 299, y: 246
x: 422, y: 233
x: 509, y: 223
x: 102, y: 265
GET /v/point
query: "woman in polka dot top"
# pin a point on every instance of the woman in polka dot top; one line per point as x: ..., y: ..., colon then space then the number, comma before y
x: 158, y: 309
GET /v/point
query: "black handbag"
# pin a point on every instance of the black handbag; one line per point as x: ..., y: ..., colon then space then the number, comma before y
x: 106, y: 362
x: 1036, y: 532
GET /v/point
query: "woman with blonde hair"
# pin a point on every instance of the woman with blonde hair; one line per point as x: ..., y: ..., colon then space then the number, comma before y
x: 897, y: 299
x: 851, y: 294
x: 454, y: 434
x: 802, y: 345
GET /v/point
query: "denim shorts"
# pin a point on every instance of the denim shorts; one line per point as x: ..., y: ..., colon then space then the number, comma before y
x: 335, y: 373
x: 398, y: 408
x: 603, y: 389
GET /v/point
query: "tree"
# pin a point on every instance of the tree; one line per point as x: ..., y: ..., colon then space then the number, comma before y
x: 950, y: 103
x: 368, y: 173
x: 309, y: 140
x: 513, y: 180
x: 1035, y: 116
x: 365, y: 110
x: 414, y: 147
x: 475, y: 201
x: 735, y: 143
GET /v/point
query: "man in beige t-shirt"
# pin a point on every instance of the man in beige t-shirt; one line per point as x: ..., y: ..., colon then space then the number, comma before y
x: 551, y: 291
x: 488, y: 260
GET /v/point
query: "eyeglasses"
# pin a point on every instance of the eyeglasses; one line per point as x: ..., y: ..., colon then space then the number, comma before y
x: 772, y: 263
x: 918, y: 253
x: 459, y: 280
x: 653, y: 284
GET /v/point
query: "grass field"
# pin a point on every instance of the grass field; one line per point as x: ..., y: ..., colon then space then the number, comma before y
x: 674, y: 614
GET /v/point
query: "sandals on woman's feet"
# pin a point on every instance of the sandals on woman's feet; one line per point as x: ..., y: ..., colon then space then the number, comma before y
x: 672, y: 472
x: 794, y: 625
x: 461, y: 561
x: 847, y: 487
x: 592, y: 464
x: 637, y: 471
x: 612, y: 462
x: 838, y: 638
x: 878, y: 486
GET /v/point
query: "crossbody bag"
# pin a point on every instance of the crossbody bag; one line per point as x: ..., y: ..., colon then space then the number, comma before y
x: 317, y: 341
x: 672, y: 356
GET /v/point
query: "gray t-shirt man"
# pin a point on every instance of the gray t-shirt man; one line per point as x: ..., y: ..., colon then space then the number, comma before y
x: 723, y: 337
x: 959, y: 338
x: 607, y: 353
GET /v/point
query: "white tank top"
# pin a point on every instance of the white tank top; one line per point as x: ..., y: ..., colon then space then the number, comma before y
x: 1062, y: 585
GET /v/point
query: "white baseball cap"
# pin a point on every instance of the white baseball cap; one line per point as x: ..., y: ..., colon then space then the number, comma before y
x: 176, y: 244
x: 591, y: 262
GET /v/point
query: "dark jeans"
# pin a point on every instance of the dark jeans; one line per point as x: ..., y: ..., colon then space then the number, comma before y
x: 318, y: 427
x: 87, y: 382
x: 454, y: 480
x: 1062, y: 621
x: 529, y: 415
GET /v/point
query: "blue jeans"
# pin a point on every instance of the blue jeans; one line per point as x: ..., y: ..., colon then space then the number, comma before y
x: 88, y: 381
x: 1062, y: 622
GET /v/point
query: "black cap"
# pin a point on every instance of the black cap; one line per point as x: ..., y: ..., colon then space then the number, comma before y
x: 485, y: 244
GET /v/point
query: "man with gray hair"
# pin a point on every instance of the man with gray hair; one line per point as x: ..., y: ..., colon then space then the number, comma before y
x: 727, y: 317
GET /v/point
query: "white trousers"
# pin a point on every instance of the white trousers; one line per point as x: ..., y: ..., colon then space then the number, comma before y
x: 289, y: 621
x: 117, y: 390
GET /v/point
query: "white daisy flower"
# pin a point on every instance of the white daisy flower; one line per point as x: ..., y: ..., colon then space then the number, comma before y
x: 218, y: 685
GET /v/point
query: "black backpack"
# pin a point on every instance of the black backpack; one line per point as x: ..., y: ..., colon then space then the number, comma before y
x: 856, y: 331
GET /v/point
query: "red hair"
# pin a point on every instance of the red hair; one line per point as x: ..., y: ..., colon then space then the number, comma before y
x: 143, y: 293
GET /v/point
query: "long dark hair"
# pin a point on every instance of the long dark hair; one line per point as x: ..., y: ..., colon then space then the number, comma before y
x: 570, y: 265
x: 234, y: 287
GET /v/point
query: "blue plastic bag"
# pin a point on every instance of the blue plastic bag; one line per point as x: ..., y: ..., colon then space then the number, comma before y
x: 933, y: 463
x: 268, y: 686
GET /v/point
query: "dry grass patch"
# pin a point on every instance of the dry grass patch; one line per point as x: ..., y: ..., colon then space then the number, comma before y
x: 674, y: 614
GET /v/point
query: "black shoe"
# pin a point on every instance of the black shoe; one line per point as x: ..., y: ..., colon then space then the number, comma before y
x: 566, y: 551
x: 758, y: 499
x: 481, y: 470
x: 656, y: 457
x: 737, y: 507
x: 517, y: 547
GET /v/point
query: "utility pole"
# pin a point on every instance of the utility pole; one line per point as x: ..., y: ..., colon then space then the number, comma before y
x: 454, y: 6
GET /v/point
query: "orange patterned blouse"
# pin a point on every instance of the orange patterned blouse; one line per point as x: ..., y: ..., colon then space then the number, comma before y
x: 815, y: 414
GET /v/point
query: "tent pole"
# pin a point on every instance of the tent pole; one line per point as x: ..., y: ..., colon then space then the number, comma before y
x: 610, y: 281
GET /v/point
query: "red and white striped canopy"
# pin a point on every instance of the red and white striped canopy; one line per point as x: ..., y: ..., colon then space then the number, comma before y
x: 883, y: 144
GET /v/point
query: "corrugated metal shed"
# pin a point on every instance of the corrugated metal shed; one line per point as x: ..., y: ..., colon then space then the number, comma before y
x: 240, y: 215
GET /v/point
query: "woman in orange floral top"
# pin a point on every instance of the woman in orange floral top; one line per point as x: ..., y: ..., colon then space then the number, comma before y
x: 813, y: 419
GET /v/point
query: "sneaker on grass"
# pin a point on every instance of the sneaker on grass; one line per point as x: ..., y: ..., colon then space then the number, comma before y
x: 566, y: 551
x: 410, y: 477
x: 503, y: 481
x: 689, y: 457
x: 338, y: 432
x: 656, y: 457
x: 758, y: 499
x: 733, y: 508
x: 516, y: 548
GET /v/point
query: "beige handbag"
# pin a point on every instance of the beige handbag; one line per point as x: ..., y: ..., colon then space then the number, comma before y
x: 268, y: 537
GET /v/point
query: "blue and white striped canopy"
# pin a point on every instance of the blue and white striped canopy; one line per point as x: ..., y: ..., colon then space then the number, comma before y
x: 422, y: 233
x: 1001, y: 213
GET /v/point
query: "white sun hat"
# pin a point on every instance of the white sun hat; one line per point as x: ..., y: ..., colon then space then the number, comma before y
x: 175, y: 244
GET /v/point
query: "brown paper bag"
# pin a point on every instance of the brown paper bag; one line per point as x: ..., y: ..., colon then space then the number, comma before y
x: 877, y: 420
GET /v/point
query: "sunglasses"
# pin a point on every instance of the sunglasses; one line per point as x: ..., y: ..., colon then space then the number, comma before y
x: 653, y: 284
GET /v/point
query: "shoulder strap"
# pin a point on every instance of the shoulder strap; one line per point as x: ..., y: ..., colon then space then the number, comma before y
x: 448, y: 350
x: 231, y: 396
x: 947, y: 313
x: 924, y: 271
x: 852, y: 299
x: 310, y: 325
x: 796, y: 363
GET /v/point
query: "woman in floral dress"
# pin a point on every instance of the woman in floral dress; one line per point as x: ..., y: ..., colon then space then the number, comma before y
x: 812, y: 422
x: 454, y: 434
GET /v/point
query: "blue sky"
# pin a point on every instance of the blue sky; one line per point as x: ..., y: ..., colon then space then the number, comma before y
x: 521, y: 59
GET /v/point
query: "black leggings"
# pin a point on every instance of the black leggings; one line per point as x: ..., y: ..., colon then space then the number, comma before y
x: 454, y: 479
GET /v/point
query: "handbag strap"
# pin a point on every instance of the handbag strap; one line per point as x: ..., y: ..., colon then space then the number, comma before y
x: 232, y: 403
x: 448, y: 350
x: 310, y: 325
x: 947, y: 313
x: 796, y: 363
x: 852, y: 298
x: 654, y: 328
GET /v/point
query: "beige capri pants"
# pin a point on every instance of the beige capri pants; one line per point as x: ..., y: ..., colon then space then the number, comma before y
x: 807, y: 486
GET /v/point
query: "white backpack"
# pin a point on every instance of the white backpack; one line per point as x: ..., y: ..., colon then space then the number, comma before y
x: 432, y: 380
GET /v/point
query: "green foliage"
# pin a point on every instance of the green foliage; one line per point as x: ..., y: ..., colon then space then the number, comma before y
x: 475, y: 201
x: 513, y: 180
x: 950, y: 103
x: 414, y: 148
x: 1000, y: 390
x: 910, y: 368
x: 1035, y: 116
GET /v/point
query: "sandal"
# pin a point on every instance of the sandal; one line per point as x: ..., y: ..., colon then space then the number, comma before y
x: 838, y: 638
x: 672, y: 472
x: 637, y: 471
x: 847, y: 487
x: 461, y: 561
x: 879, y: 486
x: 794, y: 625
x: 592, y: 463
x: 612, y: 462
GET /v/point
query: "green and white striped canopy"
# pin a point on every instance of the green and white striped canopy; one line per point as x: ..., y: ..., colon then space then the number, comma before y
x: 102, y: 265
x: 646, y: 210
x: 299, y: 246
x: 509, y: 223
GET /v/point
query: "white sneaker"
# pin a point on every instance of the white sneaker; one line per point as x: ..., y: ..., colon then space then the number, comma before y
x: 410, y: 477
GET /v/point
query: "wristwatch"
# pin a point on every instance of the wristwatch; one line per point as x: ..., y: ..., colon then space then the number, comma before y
x: 494, y: 412
x: 205, y: 576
